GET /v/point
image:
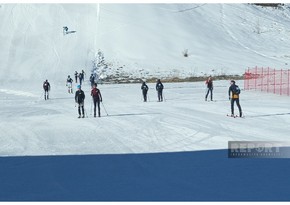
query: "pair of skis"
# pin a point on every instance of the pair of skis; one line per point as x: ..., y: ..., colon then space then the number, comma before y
x: 235, y: 116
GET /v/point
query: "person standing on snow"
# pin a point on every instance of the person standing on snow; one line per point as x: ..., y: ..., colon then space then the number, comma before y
x: 209, y: 85
x: 81, y: 77
x: 144, y: 89
x: 69, y: 84
x: 46, y: 87
x: 76, y: 76
x: 97, y: 98
x: 92, y: 80
x: 159, y: 88
x: 234, y: 92
x: 80, y: 100
x: 84, y: 74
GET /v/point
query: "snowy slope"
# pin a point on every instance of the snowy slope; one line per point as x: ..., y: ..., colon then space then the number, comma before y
x: 185, y: 122
x: 141, y: 40
x: 140, y: 36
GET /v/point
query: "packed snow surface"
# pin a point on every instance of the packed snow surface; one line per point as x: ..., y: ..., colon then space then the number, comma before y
x: 183, y: 122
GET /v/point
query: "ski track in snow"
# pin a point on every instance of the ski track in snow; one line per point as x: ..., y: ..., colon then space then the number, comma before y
x: 185, y: 122
x: 239, y: 42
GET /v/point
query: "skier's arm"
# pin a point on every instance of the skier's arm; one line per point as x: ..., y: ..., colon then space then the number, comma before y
x: 76, y: 97
x: 229, y: 93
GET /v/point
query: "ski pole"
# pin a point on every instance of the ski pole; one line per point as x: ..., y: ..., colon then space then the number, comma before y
x: 86, y: 112
x: 164, y: 97
x: 104, y: 108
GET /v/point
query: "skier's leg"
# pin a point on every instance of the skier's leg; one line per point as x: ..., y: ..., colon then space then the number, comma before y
x: 144, y: 96
x: 206, y: 94
x: 239, y: 106
x: 99, y: 109
x: 79, y: 109
x: 232, y: 106
x: 95, y: 102
x: 161, y: 95
x: 158, y: 94
x: 211, y: 94
x: 83, y: 110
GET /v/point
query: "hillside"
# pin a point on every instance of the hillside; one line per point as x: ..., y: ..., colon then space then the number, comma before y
x: 140, y: 40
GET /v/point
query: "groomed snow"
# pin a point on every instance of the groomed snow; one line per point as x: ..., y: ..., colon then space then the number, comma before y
x: 185, y: 122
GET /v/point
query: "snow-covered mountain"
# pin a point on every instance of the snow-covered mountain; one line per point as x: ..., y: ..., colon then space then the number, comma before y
x: 140, y: 40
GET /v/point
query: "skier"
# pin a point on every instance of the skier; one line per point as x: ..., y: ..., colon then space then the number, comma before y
x: 92, y: 80
x: 69, y: 84
x: 234, y: 92
x: 46, y: 87
x: 209, y: 84
x: 81, y: 77
x: 65, y: 30
x: 84, y: 74
x: 79, y: 99
x: 76, y: 76
x: 144, y: 89
x: 159, y: 88
x: 97, y: 98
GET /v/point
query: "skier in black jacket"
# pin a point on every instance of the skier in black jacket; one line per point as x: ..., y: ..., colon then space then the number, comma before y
x: 92, y: 80
x: 76, y: 76
x: 81, y: 77
x: 159, y: 88
x: 234, y: 92
x: 144, y: 89
x: 46, y: 87
x: 79, y: 99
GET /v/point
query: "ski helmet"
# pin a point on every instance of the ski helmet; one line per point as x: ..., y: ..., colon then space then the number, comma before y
x: 78, y: 86
x: 68, y: 76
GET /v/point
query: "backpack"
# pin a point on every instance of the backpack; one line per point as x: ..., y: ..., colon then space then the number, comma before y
x: 144, y: 87
x: 159, y: 86
x: 45, y: 85
x: 236, y: 90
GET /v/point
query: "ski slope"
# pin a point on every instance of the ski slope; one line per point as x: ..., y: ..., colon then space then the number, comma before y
x: 31, y: 126
x: 140, y: 40
x: 174, y: 150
